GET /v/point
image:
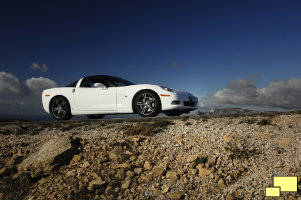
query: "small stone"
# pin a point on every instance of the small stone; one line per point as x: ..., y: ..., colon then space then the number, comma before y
x: 70, y: 173
x: 191, y: 158
x: 156, y: 192
x: 96, y: 182
x: 192, y: 173
x: 283, y: 142
x: 175, y: 195
x: 130, y: 174
x: 76, y: 158
x: 203, y: 171
x: 264, y: 176
x: 157, y: 171
x: 138, y: 171
x: 86, y: 164
x: 229, y: 197
x: 221, y: 184
x: 165, y: 189
x: 171, y: 174
x: 136, y: 140
x: 147, y: 165
x: 2, y: 170
x: 125, y: 185
x: 124, y: 165
x: 178, y: 139
x: 211, y: 160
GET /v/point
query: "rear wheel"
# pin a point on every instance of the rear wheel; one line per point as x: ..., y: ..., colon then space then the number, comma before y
x: 95, y: 116
x: 60, y: 108
x: 147, y: 104
x: 173, y: 113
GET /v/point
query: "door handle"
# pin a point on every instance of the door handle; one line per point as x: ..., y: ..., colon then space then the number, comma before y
x: 73, y: 90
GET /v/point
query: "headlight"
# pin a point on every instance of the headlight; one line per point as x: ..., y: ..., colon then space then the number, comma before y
x: 167, y: 89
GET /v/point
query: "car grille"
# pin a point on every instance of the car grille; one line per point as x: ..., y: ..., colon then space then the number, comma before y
x: 188, y: 103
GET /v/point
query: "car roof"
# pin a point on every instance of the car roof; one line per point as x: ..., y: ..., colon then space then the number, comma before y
x: 100, y: 76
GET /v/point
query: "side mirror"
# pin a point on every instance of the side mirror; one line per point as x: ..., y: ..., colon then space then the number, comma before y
x: 100, y: 85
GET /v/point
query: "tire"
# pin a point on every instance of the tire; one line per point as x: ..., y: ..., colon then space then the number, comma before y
x: 95, y: 116
x: 147, y: 104
x: 60, y: 108
x: 173, y: 113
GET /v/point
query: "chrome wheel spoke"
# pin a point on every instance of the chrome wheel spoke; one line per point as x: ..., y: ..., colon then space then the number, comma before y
x: 63, y: 111
x: 150, y: 108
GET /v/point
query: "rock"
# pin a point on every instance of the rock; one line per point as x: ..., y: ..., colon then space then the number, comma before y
x: 96, y: 182
x: 175, y: 195
x: 229, y: 197
x: 221, y: 184
x: 70, y: 173
x: 172, y: 177
x: 192, y: 173
x: 136, y: 140
x: 165, y: 189
x: 283, y: 142
x: 120, y: 174
x: 203, y: 171
x: 2, y: 170
x: 138, y: 171
x: 124, y: 165
x: 53, y: 154
x: 125, y: 184
x: 265, y: 176
x: 116, y: 154
x: 86, y: 164
x: 157, y: 171
x: 156, y: 191
x: 191, y: 158
x: 147, y: 165
x: 178, y: 139
x: 130, y: 174
x: 211, y: 160
x: 76, y: 158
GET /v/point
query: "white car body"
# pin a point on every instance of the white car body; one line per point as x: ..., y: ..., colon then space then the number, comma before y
x: 115, y: 100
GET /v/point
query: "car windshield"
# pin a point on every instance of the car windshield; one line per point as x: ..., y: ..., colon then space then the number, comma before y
x: 119, y: 81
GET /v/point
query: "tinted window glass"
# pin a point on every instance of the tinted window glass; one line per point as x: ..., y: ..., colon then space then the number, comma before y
x: 89, y: 82
x: 116, y: 81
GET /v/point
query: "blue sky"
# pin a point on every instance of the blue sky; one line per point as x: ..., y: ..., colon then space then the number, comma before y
x: 212, y: 42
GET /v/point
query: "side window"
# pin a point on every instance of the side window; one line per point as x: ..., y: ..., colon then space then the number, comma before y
x: 89, y: 82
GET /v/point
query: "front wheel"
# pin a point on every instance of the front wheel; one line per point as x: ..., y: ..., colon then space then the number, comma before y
x: 95, y: 116
x: 147, y: 104
x: 60, y: 108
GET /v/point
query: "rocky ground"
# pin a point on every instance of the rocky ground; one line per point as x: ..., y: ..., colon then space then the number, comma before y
x: 233, y: 157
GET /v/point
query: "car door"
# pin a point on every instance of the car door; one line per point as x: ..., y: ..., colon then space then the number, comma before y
x: 87, y: 97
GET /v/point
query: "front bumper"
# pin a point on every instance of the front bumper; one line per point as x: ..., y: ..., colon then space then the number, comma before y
x: 179, y: 101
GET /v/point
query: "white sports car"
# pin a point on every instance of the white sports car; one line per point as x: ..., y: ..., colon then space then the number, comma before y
x: 96, y: 96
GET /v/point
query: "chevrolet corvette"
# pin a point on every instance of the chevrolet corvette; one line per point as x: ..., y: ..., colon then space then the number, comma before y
x: 96, y: 96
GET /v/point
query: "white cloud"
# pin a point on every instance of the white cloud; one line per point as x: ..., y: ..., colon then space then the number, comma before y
x: 22, y: 98
x: 282, y: 94
x: 10, y: 85
x: 36, y: 66
x: 37, y: 85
